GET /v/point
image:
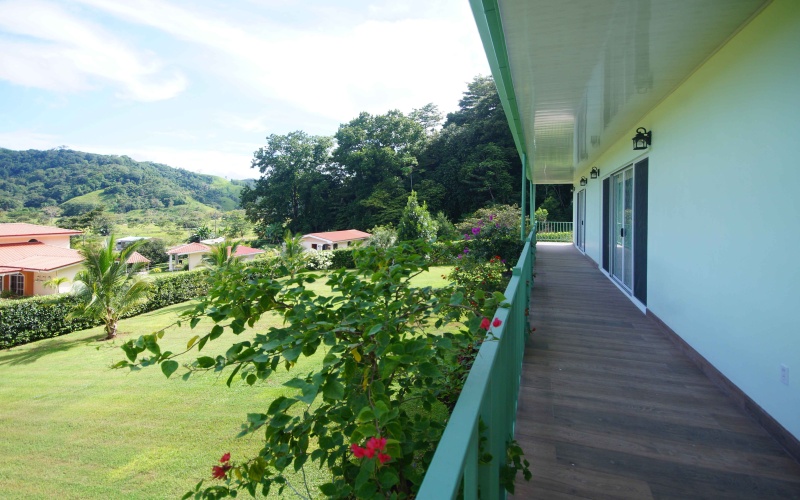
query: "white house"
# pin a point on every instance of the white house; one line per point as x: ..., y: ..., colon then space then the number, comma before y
x: 699, y: 224
x: 195, y: 252
x: 332, y: 240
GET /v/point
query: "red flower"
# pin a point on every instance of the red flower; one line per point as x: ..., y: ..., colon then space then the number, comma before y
x: 378, y: 443
x: 485, y: 323
x: 370, y: 452
x: 220, y: 471
x: 358, y: 451
x: 225, y: 458
x: 384, y: 457
x: 497, y: 322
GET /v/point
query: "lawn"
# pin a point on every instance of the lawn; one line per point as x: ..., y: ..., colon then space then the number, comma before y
x: 71, y: 427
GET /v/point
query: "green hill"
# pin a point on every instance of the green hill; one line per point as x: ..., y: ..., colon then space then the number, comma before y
x: 78, y: 181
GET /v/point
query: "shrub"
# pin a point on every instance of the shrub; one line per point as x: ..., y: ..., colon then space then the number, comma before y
x: 36, y: 318
x: 382, y: 236
x: 561, y: 236
x: 342, y: 258
x: 416, y: 222
x: 493, y: 231
x: 489, y: 276
x: 444, y: 253
x: 318, y: 260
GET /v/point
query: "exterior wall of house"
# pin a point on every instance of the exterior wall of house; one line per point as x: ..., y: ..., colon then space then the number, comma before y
x: 41, y: 278
x: 724, y: 213
x: 194, y: 260
x: 308, y: 242
x: 54, y: 240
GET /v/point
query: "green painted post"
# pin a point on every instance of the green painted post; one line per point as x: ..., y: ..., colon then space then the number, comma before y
x: 532, y: 204
x: 524, y: 196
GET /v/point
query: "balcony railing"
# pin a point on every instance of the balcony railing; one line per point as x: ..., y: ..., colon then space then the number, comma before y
x: 554, y: 231
x: 485, y: 413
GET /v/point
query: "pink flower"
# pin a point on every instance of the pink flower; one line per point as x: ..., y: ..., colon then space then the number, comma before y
x: 497, y: 322
x: 358, y: 451
x: 225, y: 458
x: 485, y: 323
x: 376, y: 443
x: 476, y: 230
x: 220, y: 471
x: 384, y: 457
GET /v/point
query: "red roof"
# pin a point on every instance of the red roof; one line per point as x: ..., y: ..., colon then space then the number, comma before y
x: 36, y: 256
x: 137, y: 258
x: 334, y: 236
x: 25, y: 229
x: 189, y: 248
x: 242, y: 251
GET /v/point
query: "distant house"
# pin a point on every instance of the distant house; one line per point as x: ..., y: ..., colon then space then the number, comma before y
x: 137, y: 258
x: 194, y: 253
x: 31, y: 255
x: 122, y: 243
x: 332, y: 240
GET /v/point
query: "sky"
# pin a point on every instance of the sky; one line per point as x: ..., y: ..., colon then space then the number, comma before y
x: 200, y: 84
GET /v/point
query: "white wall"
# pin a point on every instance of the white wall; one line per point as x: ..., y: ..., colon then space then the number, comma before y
x: 724, y: 210
x: 41, y: 278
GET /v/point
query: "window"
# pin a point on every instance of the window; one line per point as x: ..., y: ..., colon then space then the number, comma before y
x: 335, y: 246
x: 314, y: 246
x: 17, y: 284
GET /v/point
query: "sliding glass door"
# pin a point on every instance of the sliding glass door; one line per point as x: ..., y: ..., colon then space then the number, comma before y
x: 580, y: 229
x: 622, y: 227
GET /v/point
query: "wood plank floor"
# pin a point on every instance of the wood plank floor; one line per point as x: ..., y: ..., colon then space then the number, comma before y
x: 609, y: 408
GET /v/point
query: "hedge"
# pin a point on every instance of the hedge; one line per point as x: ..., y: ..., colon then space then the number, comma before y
x: 35, y: 318
x: 343, y: 258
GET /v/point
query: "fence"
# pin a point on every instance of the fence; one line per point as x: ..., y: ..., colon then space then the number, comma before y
x: 488, y: 401
x: 554, y: 231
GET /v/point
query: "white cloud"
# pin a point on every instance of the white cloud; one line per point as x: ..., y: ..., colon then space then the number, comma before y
x: 28, y: 139
x: 52, y: 49
x: 373, y: 65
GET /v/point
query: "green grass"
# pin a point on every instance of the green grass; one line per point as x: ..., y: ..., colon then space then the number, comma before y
x: 71, y: 427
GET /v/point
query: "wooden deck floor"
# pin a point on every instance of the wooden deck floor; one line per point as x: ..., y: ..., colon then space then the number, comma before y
x: 610, y: 408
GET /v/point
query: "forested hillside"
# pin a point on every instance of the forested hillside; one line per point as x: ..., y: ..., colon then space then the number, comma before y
x: 78, y: 182
x: 362, y: 176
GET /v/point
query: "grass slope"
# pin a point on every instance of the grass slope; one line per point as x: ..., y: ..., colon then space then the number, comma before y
x: 71, y: 427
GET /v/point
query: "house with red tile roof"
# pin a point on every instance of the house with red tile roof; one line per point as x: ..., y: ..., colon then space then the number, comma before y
x: 194, y: 253
x: 31, y: 255
x: 332, y: 240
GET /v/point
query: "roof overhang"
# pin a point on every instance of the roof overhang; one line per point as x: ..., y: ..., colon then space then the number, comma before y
x: 575, y: 77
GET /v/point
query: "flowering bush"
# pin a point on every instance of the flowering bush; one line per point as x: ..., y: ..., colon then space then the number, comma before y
x: 383, y: 348
x: 493, y: 231
x: 319, y: 260
x: 474, y: 274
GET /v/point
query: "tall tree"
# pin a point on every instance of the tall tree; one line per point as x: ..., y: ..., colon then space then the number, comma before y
x: 376, y: 154
x: 295, y: 183
x: 107, y: 288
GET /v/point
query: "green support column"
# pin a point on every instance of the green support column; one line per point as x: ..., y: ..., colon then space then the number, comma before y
x: 522, y: 233
x: 532, y: 204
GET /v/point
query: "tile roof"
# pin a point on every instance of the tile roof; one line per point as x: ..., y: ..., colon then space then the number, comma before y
x: 333, y: 236
x: 242, y: 251
x: 36, y: 256
x: 25, y: 229
x: 189, y: 248
x: 137, y: 258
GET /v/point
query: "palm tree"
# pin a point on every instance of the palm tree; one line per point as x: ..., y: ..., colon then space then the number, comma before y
x: 107, y: 287
x: 292, y: 254
x: 55, y: 283
x: 222, y: 254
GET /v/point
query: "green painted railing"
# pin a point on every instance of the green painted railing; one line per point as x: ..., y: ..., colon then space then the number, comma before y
x: 554, y: 231
x: 488, y: 401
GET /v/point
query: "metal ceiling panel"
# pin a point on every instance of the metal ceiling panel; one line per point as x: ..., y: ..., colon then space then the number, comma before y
x: 584, y: 72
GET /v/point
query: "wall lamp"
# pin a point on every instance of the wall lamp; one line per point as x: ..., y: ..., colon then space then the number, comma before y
x: 583, y: 181
x: 642, y: 139
x: 595, y: 173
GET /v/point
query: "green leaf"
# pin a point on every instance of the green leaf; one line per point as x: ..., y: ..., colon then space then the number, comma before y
x: 293, y: 353
x: 429, y: 370
x: 216, y: 332
x: 375, y: 329
x: 206, y: 362
x: 194, y: 321
x: 388, y: 478
x: 333, y: 389
x: 169, y: 367
x: 235, y: 371
x: 367, y: 467
x: 456, y: 299
x: 328, y: 489
x: 365, y: 415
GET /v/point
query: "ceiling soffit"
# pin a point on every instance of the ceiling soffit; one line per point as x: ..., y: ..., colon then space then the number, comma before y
x: 585, y: 72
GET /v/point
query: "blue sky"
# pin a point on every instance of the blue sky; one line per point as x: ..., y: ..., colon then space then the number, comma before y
x: 200, y: 84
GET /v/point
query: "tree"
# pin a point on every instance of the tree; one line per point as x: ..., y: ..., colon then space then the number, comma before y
x: 292, y: 253
x: 295, y: 183
x: 222, y: 254
x: 55, y: 283
x: 236, y: 224
x: 155, y: 249
x: 375, y: 152
x: 428, y: 116
x: 416, y: 223
x: 107, y: 288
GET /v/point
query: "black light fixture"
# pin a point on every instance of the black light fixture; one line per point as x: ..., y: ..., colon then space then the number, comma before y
x: 583, y: 181
x: 642, y: 139
x: 595, y: 173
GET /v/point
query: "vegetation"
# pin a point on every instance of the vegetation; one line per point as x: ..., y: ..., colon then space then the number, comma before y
x: 416, y: 222
x: 107, y: 287
x: 375, y: 406
x: 79, y: 182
